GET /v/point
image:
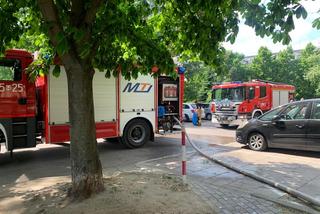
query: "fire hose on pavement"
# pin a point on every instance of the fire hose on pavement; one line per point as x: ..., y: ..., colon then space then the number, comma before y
x: 267, y: 181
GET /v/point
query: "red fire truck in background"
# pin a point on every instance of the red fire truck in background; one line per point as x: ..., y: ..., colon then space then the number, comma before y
x: 125, y: 110
x: 235, y: 102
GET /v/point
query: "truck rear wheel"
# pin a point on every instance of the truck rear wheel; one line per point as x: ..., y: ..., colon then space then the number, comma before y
x: 136, y: 134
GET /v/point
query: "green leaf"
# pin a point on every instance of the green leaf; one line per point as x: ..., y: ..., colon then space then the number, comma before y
x: 56, y: 71
x: 78, y: 35
x: 300, y: 11
x: 304, y: 12
x: 286, y: 39
x: 316, y: 23
x: 255, y: 1
x: 107, y: 74
x: 85, y: 51
x: 62, y: 46
x: 135, y: 75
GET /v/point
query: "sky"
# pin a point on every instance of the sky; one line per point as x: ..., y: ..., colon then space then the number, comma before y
x: 248, y: 43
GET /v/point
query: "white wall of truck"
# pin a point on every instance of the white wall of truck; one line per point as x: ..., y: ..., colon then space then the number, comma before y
x: 132, y: 105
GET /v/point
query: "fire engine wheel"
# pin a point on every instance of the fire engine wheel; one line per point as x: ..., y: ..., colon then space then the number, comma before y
x: 256, y: 114
x: 257, y: 142
x: 136, y: 134
x: 2, y: 139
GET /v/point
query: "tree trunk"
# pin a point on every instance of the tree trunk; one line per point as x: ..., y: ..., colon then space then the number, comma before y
x: 86, y: 170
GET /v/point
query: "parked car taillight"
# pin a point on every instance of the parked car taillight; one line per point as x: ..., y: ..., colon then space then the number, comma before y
x: 192, y: 110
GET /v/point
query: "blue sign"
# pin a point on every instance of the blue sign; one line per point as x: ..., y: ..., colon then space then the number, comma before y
x: 181, y: 70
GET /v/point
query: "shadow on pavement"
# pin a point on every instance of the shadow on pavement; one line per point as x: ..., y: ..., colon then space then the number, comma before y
x: 54, y: 160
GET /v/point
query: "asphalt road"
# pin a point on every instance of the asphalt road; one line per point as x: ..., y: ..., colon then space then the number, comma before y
x: 53, y: 160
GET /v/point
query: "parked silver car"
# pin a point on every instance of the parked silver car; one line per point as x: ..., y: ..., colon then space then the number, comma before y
x: 188, y: 110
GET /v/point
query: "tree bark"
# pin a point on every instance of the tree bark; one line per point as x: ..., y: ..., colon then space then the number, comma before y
x: 86, y: 170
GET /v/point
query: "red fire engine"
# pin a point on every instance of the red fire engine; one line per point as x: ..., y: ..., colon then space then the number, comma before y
x: 236, y: 102
x: 123, y: 109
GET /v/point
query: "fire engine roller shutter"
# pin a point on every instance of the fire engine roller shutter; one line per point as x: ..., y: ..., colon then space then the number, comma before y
x: 279, y: 97
x: 104, y: 92
x: 284, y: 97
x: 58, y: 98
x: 275, y: 98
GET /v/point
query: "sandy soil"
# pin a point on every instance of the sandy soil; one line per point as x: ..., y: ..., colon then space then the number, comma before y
x: 130, y: 192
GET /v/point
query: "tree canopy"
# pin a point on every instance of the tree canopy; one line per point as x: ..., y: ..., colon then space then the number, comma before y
x: 301, y: 70
x: 140, y: 34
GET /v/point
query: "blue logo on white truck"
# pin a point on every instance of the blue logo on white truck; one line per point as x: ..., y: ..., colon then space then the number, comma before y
x: 137, y: 87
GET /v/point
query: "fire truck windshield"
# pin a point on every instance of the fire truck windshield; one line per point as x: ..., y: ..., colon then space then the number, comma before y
x: 232, y: 94
x: 10, y: 70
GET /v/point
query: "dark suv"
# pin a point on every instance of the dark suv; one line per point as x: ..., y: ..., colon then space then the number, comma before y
x: 292, y: 126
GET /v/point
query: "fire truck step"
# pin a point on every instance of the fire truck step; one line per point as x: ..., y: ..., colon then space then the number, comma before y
x: 23, y: 133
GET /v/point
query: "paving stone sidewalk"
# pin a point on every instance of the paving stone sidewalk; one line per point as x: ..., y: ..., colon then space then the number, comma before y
x: 224, y: 190
x: 299, y: 170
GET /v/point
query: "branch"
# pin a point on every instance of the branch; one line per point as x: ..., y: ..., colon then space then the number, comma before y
x: 91, y: 13
x: 77, y: 13
x: 50, y: 14
x: 83, y: 18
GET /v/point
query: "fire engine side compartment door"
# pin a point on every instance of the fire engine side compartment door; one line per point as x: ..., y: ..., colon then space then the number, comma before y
x: 13, y: 89
x: 279, y: 97
x: 137, y: 99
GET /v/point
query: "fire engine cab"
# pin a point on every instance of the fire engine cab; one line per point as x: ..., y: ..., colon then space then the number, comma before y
x: 132, y: 111
x: 235, y: 102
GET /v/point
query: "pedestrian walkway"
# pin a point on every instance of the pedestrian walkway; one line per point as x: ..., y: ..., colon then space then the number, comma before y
x: 299, y: 170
